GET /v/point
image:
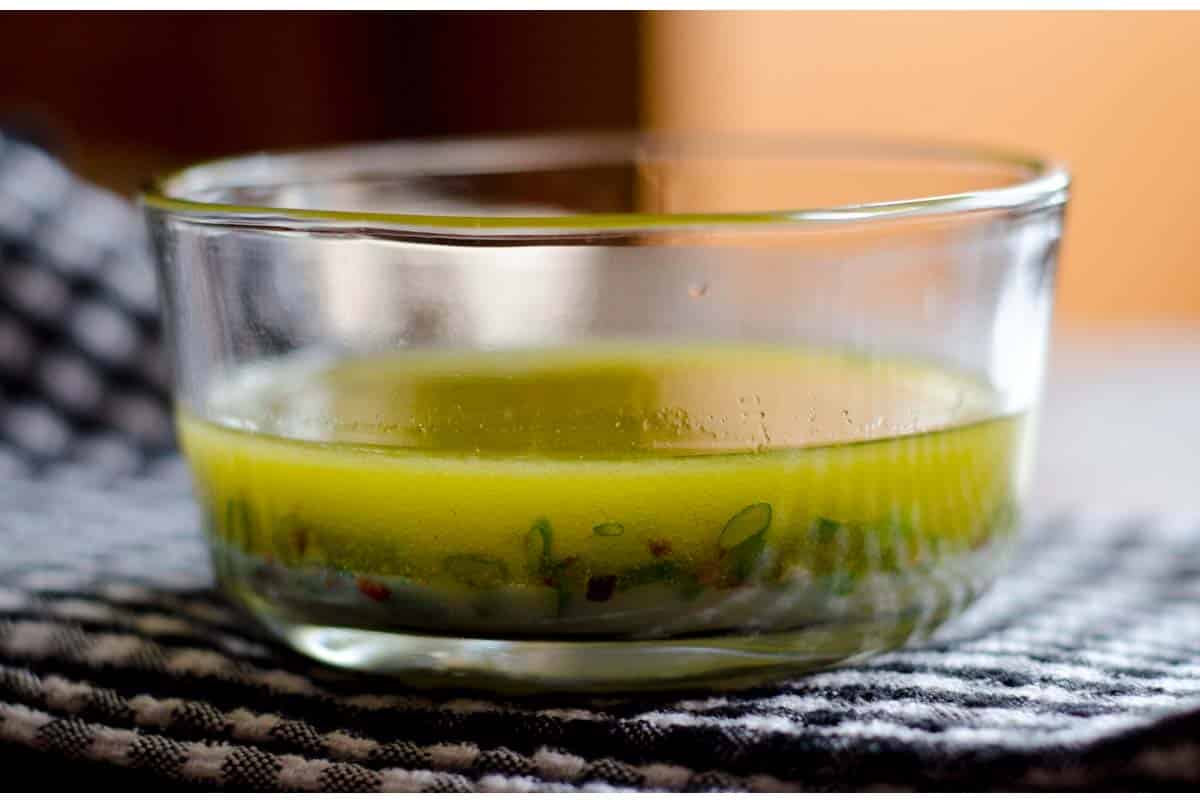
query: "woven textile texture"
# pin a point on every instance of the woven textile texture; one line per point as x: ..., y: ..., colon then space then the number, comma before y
x: 82, y: 382
x: 1080, y: 670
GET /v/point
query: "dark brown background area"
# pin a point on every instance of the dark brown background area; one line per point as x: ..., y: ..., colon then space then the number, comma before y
x: 124, y: 94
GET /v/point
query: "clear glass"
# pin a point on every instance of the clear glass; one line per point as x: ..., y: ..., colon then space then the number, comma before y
x: 613, y: 411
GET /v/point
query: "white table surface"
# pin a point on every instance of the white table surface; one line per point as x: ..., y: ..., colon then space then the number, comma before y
x: 1120, y: 425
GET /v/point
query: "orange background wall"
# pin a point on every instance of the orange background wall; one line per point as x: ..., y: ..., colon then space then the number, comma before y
x: 1115, y: 95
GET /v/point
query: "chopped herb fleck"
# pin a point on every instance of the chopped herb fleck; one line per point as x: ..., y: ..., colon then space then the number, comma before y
x: 690, y: 587
x: 562, y: 599
x: 476, y: 571
x: 538, y: 543
x: 656, y: 572
x: 888, y: 559
x: 239, y: 524
x: 824, y: 530
x: 559, y: 577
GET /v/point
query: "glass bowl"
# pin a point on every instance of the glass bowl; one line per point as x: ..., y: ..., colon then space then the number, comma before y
x: 606, y: 412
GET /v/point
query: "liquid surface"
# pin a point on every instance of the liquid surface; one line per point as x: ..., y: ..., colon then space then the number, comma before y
x: 612, y: 490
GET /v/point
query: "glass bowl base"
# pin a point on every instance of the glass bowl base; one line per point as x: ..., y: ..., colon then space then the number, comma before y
x: 522, y: 666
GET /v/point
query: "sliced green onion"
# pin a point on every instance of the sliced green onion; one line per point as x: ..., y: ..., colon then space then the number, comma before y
x: 608, y: 529
x: 743, y: 562
x: 746, y: 524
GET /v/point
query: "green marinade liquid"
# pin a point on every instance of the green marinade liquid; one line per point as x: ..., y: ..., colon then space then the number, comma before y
x: 586, y: 473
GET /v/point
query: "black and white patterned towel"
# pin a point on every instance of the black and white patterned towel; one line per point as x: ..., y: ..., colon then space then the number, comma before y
x: 1081, y: 669
x: 81, y: 373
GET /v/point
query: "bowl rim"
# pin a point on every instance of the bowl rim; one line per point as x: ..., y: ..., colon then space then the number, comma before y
x: 1045, y: 183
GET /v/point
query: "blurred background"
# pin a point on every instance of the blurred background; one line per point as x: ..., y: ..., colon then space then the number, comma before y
x: 1115, y: 95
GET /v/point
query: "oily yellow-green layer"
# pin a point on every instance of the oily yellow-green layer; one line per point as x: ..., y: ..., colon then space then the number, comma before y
x: 857, y: 507
x: 714, y: 511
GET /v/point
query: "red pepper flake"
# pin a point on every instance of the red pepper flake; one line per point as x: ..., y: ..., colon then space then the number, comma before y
x: 372, y: 589
x: 709, y: 575
x: 300, y: 540
x: 659, y: 547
